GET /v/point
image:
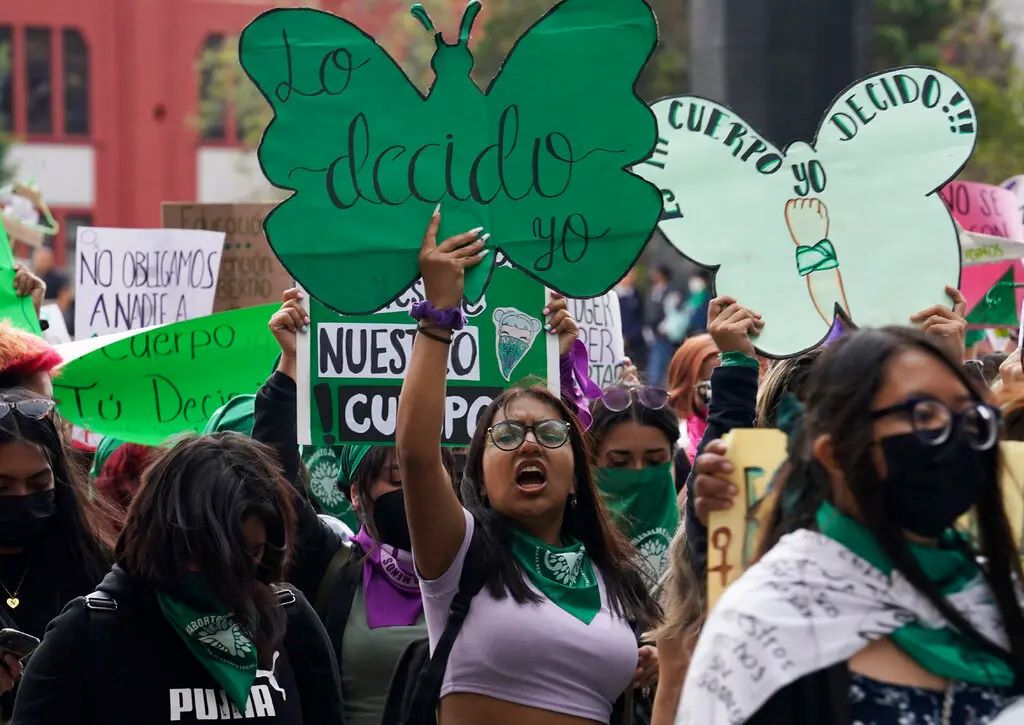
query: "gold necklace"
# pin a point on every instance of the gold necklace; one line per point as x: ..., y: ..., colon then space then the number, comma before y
x: 12, y: 599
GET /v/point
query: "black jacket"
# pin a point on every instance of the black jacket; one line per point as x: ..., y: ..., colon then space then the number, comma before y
x: 733, y: 399
x: 129, y: 667
x: 275, y: 426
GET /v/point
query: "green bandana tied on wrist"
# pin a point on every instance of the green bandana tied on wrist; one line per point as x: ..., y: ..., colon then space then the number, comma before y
x: 643, y: 504
x: 816, y: 258
x: 943, y: 652
x: 214, y: 638
x: 562, y: 574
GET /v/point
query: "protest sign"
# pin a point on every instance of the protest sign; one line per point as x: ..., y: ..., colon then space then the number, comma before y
x: 351, y: 367
x: 600, y: 323
x: 848, y: 225
x: 977, y: 249
x: 56, y: 332
x: 984, y: 208
x: 733, y: 534
x: 128, y: 279
x: 170, y: 379
x: 20, y: 311
x: 250, y: 274
x: 537, y: 159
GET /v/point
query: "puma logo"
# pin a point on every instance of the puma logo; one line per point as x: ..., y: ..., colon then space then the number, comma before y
x: 272, y: 678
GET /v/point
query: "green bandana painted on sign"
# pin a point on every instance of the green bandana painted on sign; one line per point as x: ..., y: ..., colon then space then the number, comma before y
x: 562, y: 574
x: 643, y: 503
x: 213, y: 637
x: 327, y: 485
x: 816, y: 258
x: 942, y: 652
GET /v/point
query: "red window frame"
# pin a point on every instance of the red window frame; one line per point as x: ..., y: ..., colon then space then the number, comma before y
x: 20, y: 89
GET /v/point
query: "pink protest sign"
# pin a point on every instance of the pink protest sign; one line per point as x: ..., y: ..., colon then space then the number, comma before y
x: 984, y: 208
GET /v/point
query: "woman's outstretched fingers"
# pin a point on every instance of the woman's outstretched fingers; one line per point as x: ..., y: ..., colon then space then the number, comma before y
x: 430, y: 237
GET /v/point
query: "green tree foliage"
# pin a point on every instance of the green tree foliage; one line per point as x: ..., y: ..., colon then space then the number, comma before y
x: 966, y: 39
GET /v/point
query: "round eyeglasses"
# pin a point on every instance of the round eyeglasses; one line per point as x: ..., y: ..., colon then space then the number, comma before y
x: 33, y: 409
x: 508, y: 435
x: 933, y: 421
x: 617, y: 398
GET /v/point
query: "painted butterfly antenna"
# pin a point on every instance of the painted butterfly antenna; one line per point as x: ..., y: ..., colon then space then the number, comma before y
x: 420, y: 13
x: 468, y: 17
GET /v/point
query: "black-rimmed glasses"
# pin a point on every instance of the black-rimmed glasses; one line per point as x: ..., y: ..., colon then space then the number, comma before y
x: 933, y: 421
x: 508, y: 435
x: 617, y: 398
x: 33, y: 409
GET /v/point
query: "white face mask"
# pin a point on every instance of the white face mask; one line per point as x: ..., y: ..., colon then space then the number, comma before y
x: 697, y: 285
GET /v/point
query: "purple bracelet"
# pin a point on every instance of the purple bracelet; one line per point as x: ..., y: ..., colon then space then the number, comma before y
x: 449, y: 319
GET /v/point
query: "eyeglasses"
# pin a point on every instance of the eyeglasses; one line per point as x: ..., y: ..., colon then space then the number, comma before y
x: 33, y: 409
x: 508, y: 435
x: 619, y: 397
x: 933, y: 421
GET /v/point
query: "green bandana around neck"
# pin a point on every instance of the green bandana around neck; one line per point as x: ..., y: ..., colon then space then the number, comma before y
x: 943, y: 652
x: 562, y: 574
x: 643, y: 504
x: 212, y: 635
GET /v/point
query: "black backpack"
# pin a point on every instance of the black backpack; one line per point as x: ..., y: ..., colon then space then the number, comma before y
x: 416, y: 682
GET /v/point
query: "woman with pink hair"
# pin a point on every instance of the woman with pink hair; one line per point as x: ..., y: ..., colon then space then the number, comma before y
x: 26, y: 360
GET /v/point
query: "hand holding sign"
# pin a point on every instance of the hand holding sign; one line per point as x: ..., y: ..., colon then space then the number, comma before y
x: 538, y: 159
x: 830, y: 228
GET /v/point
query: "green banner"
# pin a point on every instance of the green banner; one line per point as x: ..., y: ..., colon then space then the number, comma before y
x: 351, y: 368
x: 538, y: 158
x: 168, y: 380
x: 18, y: 310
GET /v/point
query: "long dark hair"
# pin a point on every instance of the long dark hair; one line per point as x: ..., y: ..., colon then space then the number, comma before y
x: 588, y: 521
x: 664, y: 419
x: 85, y: 528
x: 189, y: 512
x: 840, y: 391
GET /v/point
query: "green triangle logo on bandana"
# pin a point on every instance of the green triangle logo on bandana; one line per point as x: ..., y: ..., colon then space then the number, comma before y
x: 562, y: 574
x: 215, y: 639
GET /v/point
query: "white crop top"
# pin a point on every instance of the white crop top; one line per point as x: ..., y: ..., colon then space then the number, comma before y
x: 532, y: 654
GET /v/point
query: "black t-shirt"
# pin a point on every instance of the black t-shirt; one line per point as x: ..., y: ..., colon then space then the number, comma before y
x: 129, y: 667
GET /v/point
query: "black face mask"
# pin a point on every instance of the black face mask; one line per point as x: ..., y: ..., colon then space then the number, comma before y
x: 24, y: 519
x: 929, y: 487
x: 389, y: 518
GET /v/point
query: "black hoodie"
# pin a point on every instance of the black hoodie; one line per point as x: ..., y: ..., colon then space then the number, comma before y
x: 128, y: 667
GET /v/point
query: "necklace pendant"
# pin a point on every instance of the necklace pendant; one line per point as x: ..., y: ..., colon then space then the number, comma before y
x: 13, y: 602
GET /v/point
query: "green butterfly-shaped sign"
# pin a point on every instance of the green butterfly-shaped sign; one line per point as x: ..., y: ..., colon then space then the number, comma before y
x: 539, y: 159
x: 851, y: 225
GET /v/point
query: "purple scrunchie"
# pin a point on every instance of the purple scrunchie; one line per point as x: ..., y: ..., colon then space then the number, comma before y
x: 577, y: 387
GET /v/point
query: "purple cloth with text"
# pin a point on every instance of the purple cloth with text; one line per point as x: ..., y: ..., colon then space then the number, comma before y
x: 390, y: 584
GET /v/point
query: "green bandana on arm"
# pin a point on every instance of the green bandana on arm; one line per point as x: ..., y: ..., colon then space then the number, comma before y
x: 943, y: 652
x: 562, y: 574
x: 104, y: 451
x: 816, y: 258
x: 643, y: 504
x: 211, y: 634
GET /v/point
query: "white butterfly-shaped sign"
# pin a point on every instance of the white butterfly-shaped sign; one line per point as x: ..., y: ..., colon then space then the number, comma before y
x: 851, y: 224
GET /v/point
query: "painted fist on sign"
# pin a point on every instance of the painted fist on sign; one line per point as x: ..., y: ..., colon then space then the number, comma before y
x: 807, y: 219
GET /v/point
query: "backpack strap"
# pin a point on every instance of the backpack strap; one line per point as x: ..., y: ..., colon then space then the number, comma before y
x: 474, y: 576
x: 323, y: 593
